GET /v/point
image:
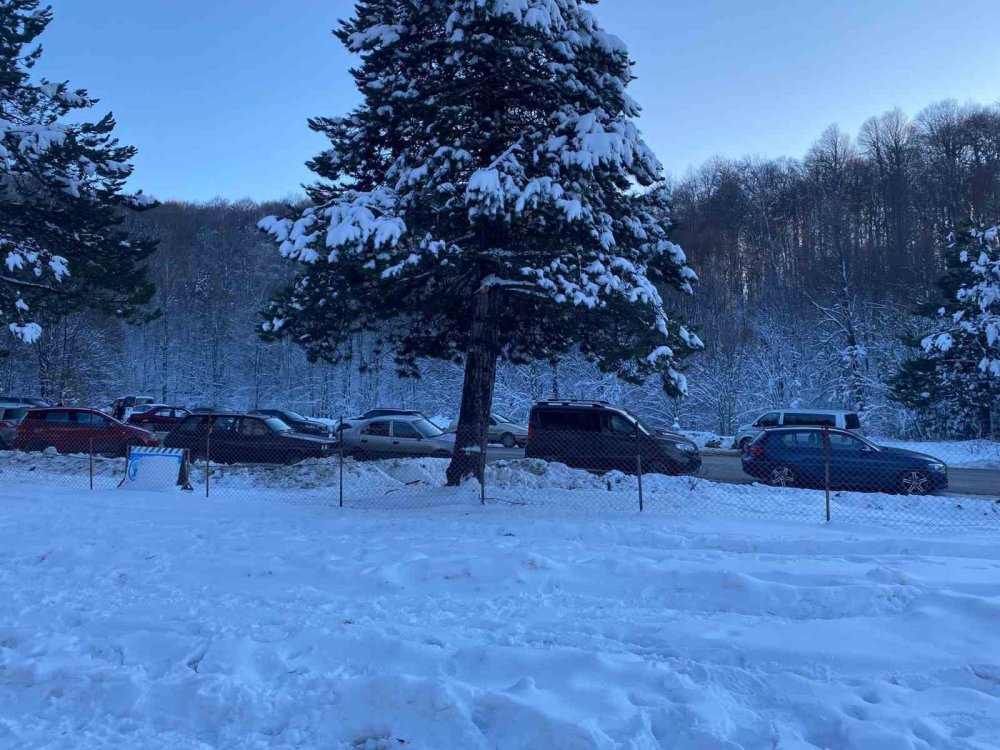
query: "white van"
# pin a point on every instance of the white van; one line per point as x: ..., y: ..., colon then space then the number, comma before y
x: 844, y: 420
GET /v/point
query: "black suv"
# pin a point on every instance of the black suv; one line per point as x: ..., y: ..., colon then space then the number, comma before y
x: 597, y: 436
x: 297, y: 422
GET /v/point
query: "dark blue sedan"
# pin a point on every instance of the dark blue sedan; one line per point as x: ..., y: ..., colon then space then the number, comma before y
x: 795, y: 456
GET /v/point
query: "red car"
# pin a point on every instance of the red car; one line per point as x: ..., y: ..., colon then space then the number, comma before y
x: 159, y: 418
x: 71, y: 430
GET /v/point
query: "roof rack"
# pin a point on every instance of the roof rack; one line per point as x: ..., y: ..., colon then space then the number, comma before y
x: 574, y: 402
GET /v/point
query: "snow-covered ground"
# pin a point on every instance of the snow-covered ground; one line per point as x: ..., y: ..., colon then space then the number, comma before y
x: 164, y: 620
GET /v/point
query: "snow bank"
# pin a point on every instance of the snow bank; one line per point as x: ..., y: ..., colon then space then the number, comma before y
x: 420, y: 482
x: 167, y: 621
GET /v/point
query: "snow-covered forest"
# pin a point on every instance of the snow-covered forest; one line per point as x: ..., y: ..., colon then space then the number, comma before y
x: 812, y: 274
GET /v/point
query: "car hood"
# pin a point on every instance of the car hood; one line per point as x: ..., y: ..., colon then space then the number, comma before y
x: 902, y: 453
x: 673, y: 437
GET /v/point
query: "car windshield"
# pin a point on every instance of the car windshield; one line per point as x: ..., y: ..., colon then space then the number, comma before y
x: 277, y: 425
x: 294, y: 415
x: 643, y: 426
x: 141, y: 408
x: 426, y: 428
x: 501, y: 418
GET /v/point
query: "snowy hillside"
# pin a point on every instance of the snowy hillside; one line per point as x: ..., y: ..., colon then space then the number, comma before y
x: 168, y: 621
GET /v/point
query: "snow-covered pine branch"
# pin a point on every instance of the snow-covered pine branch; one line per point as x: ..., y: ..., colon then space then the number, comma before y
x: 61, y: 188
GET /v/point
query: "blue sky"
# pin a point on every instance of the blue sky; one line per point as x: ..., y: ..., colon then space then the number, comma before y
x: 215, y: 93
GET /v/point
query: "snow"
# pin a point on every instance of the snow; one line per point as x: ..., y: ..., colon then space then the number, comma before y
x: 162, y: 620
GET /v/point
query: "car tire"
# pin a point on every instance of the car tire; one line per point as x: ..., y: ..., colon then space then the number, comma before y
x: 742, y: 445
x: 782, y: 476
x: 507, y: 440
x: 914, y: 482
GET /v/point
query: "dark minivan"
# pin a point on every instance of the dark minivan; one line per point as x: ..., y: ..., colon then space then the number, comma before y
x: 597, y: 436
x: 245, y: 438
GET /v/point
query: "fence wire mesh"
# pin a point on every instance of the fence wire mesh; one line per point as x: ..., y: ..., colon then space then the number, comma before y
x: 807, y: 474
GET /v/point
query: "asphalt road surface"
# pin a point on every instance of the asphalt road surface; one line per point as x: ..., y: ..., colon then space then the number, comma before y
x: 724, y: 466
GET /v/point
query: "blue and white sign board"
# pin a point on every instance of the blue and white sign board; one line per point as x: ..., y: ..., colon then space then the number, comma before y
x: 154, y: 469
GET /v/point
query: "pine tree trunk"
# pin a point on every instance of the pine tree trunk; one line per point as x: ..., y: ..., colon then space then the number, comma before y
x: 469, y: 458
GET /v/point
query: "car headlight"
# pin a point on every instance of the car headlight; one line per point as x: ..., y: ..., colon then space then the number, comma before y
x: 686, y: 447
x: 937, y: 466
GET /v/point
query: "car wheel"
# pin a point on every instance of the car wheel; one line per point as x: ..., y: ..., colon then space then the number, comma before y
x: 914, y: 482
x: 744, y: 443
x: 781, y: 476
x: 507, y: 440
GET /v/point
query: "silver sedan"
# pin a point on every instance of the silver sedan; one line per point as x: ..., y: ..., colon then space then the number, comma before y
x: 397, y: 436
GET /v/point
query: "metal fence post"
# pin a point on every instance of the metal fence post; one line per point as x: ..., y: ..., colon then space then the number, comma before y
x: 826, y: 468
x: 482, y: 464
x: 638, y: 468
x: 340, y: 438
x: 90, y: 454
x: 208, y: 455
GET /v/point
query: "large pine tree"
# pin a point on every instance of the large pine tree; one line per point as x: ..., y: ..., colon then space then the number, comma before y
x: 62, y: 240
x: 957, y: 372
x: 490, y: 198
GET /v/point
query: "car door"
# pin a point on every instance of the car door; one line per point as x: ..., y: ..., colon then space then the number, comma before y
x: 99, y: 431
x: 253, y: 442
x: 406, y: 441
x: 621, y: 445
x: 853, y: 463
x: 375, y: 439
x: 58, y: 429
x: 224, y: 442
x: 802, y: 450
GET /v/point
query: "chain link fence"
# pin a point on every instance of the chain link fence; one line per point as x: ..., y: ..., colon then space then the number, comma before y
x: 804, y: 473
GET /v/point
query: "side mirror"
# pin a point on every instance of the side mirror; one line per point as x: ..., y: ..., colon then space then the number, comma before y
x: 866, y: 449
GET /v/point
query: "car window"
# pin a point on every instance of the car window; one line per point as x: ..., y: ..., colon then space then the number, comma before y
x: 404, y: 430
x: 620, y: 424
x: 58, y: 417
x: 768, y: 420
x: 852, y: 422
x: 804, y: 439
x: 844, y: 442
x: 378, y: 429
x: 190, y: 424
x: 427, y: 428
x: 277, y: 425
x: 570, y: 420
x: 253, y: 428
x: 14, y: 415
x: 793, y: 419
x: 90, y: 419
x: 222, y: 424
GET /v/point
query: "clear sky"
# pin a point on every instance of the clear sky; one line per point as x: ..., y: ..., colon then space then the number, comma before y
x: 215, y: 93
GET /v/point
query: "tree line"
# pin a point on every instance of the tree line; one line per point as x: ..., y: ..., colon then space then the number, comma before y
x: 813, y: 276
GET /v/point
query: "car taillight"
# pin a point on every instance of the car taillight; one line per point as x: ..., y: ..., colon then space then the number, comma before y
x: 757, y: 450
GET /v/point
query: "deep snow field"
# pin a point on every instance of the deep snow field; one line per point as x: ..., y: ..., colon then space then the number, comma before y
x: 146, y: 620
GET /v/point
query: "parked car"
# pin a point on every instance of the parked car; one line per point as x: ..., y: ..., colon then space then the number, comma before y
x: 75, y: 430
x: 795, y: 456
x: 31, y: 400
x: 122, y: 408
x: 598, y: 436
x: 159, y: 417
x: 400, y: 435
x: 231, y: 438
x: 501, y: 430
x: 11, y: 415
x: 842, y: 420
x: 297, y: 422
